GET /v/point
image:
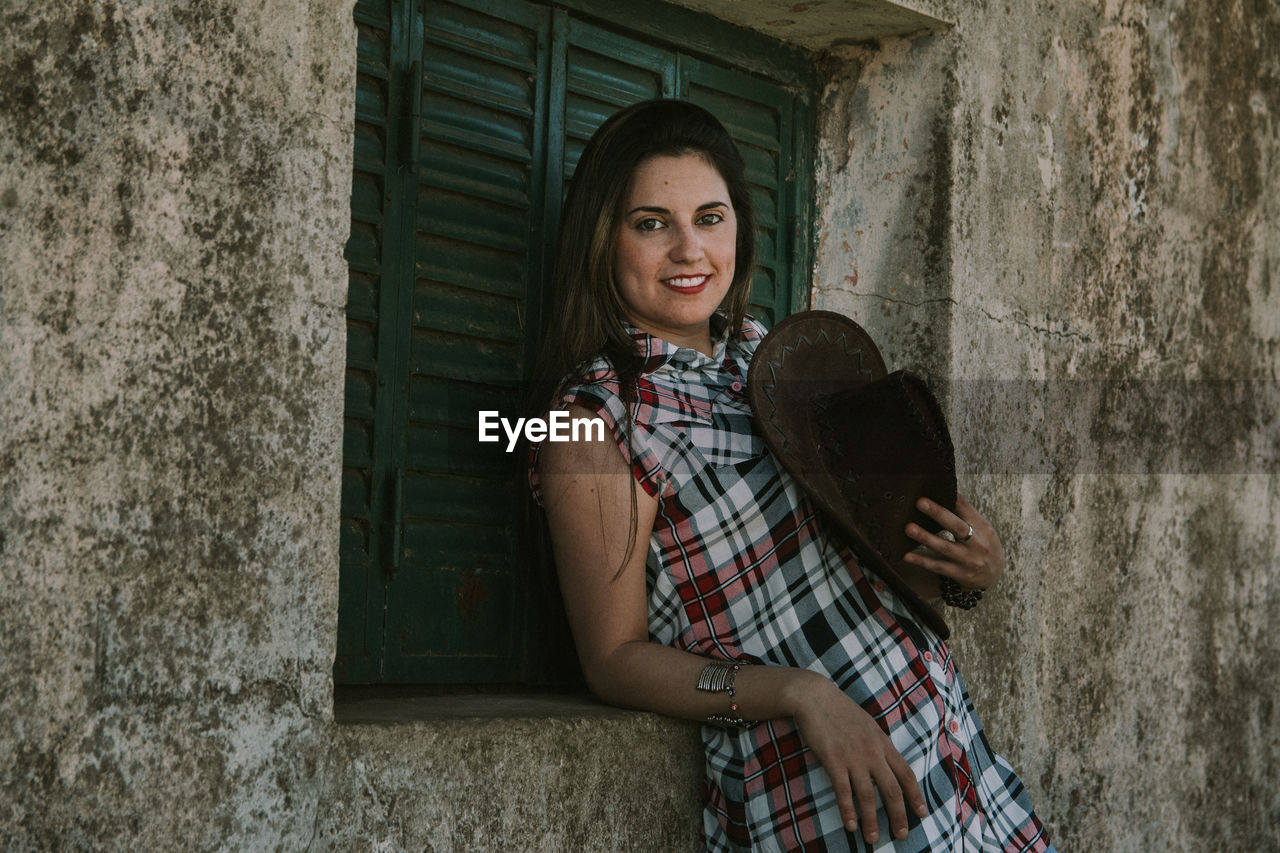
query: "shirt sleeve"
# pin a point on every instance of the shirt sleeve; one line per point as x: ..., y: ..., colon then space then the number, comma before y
x: 753, y: 332
x: 602, y: 400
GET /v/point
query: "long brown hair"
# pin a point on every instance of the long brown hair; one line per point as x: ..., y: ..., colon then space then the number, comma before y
x: 583, y: 314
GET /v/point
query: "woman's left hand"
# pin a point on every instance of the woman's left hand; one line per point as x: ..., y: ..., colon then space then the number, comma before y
x: 975, y: 560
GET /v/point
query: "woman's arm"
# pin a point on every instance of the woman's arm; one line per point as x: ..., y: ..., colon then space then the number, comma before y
x: 587, y: 490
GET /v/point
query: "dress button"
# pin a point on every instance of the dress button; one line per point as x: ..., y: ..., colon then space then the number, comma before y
x: 955, y: 727
x: 737, y: 386
x: 928, y: 657
x: 879, y: 586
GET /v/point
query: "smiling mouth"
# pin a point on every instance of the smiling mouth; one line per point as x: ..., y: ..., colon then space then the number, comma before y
x: 686, y: 283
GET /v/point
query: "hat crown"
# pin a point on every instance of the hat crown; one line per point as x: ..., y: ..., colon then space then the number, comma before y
x: 862, y: 445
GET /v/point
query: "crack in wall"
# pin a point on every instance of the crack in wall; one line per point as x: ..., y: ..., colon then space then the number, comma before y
x: 1064, y: 334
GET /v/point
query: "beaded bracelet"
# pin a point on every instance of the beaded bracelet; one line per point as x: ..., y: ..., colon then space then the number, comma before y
x: 957, y: 596
x: 717, y: 677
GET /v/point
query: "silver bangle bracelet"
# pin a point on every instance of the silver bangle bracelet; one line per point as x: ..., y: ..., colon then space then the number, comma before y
x: 719, y: 677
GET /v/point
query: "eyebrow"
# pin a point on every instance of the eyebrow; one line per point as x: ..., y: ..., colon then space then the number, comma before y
x: 701, y: 207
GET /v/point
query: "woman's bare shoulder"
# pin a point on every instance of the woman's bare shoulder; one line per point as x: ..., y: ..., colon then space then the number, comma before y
x: 589, y: 450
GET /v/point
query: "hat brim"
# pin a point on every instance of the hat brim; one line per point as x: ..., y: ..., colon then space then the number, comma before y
x: 805, y: 359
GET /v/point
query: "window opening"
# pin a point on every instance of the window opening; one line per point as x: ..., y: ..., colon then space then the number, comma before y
x: 470, y: 117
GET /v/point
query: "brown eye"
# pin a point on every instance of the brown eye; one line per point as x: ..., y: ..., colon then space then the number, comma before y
x: 649, y: 224
x: 711, y: 218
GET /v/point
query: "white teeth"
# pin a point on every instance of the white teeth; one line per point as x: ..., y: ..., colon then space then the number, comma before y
x: 685, y: 281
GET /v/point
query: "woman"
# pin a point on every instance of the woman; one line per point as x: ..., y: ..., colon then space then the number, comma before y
x: 681, y: 545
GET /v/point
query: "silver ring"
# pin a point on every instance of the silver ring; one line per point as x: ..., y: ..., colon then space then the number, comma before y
x: 967, y: 536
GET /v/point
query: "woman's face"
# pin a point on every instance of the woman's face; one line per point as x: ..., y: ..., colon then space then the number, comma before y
x: 675, y: 247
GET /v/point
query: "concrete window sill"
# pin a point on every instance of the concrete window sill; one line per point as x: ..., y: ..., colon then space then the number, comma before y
x: 392, y: 705
x: 514, y: 771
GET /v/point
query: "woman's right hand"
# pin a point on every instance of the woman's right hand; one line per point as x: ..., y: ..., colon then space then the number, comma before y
x: 858, y: 756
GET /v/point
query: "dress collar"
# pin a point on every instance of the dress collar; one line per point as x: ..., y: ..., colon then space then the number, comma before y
x: 658, y: 352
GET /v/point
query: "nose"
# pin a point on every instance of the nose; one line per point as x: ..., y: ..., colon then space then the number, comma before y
x: 686, y: 244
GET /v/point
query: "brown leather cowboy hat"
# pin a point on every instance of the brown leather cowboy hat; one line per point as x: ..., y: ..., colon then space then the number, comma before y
x: 864, y: 445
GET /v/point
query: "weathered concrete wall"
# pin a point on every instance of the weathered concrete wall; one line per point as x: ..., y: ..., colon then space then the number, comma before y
x: 1082, y: 201
x: 174, y: 195
x: 1049, y: 191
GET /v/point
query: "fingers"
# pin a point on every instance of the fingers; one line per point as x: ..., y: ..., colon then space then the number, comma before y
x: 895, y: 785
x: 900, y: 791
x: 886, y: 779
x: 954, y: 551
x: 952, y: 566
x: 966, y: 571
x: 960, y: 526
x: 968, y: 543
x: 857, y: 802
x: 844, y: 799
x: 866, y: 794
x: 891, y: 793
x: 910, y: 786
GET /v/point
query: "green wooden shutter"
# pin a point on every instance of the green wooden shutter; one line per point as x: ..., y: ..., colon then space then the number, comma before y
x: 454, y: 614
x: 369, y: 254
x: 759, y: 116
x: 605, y: 72
x: 470, y: 118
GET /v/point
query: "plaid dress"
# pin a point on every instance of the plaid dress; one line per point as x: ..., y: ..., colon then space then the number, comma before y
x: 739, y: 569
